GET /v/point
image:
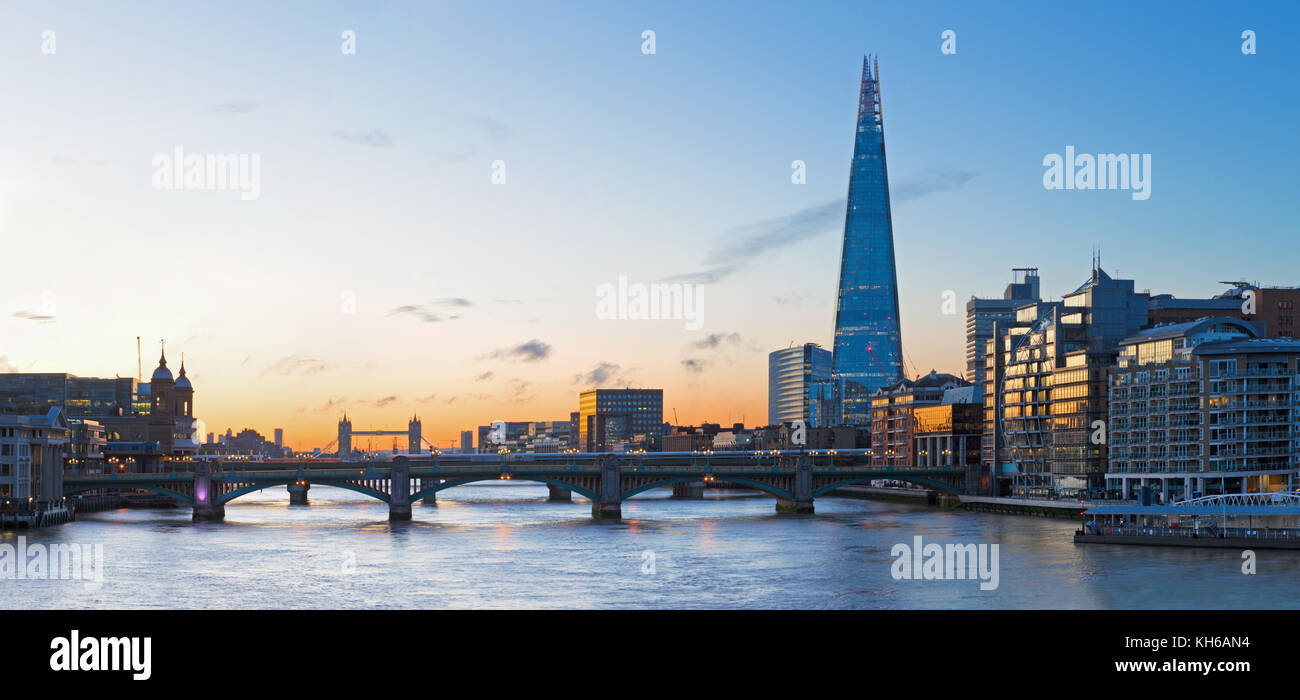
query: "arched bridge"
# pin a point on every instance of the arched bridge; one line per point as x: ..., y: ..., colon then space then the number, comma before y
x: 795, y: 478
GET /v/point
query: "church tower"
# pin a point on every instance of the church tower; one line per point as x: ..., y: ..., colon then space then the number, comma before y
x: 161, y: 385
x: 182, y: 398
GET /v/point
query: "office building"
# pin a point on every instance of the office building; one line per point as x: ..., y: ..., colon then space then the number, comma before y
x: 1052, y: 392
x: 894, y: 419
x: 609, y: 416
x: 868, y: 351
x: 791, y: 376
x: 983, y: 314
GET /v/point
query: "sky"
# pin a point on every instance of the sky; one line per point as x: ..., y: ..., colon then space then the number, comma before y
x: 437, y: 209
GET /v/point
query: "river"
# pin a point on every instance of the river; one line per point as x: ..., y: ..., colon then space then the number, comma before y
x: 503, y: 546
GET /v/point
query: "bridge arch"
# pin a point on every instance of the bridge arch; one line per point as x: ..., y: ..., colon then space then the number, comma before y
x: 183, y: 498
x: 250, y: 488
x: 584, y: 492
x: 766, y: 488
x: 919, y: 480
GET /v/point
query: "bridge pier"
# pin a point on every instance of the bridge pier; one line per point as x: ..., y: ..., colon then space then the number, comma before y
x: 609, y: 506
x: 298, y: 492
x: 786, y: 505
x: 204, y: 509
x: 803, y: 489
x: 693, y: 490
x: 399, y: 491
x: 559, y: 493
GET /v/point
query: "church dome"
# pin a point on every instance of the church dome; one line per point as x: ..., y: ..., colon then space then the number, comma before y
x: 162, y: 373
x: 182, y: 381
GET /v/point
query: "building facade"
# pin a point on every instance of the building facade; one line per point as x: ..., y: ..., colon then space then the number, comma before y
x: 1052, y: 393
x: 982, y: 316
x: 610, y: 416
x: 32, y: 458
x: 1204, y: 407
x: 868, y: 351
x: 896, y: 419
x: 792, y: 375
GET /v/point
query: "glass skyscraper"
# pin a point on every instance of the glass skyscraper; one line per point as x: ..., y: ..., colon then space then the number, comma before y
x: 868, y: 351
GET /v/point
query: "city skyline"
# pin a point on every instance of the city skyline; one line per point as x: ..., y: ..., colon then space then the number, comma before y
x: 391, y: 199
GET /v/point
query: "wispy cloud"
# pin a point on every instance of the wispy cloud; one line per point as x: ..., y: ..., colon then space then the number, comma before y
x: 695, y: 365
x: 741, y: 245
x: 426, y: 399
x: 6, y: 365
x: 715, y: 340
x: 417, y: 311
x: 375, y: 138
x: 235, y: 107
x: 793, y: 300
x: 531, y: 351
x: 33, y: 316
x: 484, y: 377
x: 296, y: 365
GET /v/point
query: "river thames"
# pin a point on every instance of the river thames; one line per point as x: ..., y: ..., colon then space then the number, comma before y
x: 504, y: 546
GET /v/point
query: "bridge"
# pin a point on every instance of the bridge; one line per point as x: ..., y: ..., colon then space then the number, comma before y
x: 795, y: 478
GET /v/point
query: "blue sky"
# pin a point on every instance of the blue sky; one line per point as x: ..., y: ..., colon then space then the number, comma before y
x: 375, y: 180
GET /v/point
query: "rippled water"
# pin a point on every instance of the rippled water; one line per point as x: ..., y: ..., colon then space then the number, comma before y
x: 504, y: 546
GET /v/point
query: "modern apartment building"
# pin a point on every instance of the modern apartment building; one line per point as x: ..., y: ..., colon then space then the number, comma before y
x: 1204, y: 407
x: 31, y: 457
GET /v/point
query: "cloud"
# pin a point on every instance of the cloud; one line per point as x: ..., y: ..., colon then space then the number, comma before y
x: 419, y: 312
x: 381, y: 402
x: 375, y: 138
x: 332, y: 403
x: 493, y: 129
x: 695, y: 365
x: 33, y: 316
x: 426, y: 399
x: 741, y: 245
x: 235, y: 107
x: 453, y: 301
x: 531, y: 351
x: 6, y: 365
x: 715, y: 340
x: 929, y: 182
x: 793, y: 300
x: 509, y: 301
x: 296, y: 365
x: 519, y: 391
x: 484, y: 377
x: 602, y: 373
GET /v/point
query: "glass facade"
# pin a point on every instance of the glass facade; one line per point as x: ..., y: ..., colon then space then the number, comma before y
x: 868, y: 351
x: 606, y: 416
x: 792, y: 374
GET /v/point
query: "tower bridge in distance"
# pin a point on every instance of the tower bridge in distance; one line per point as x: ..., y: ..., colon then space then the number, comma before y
x: 794, y: 477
